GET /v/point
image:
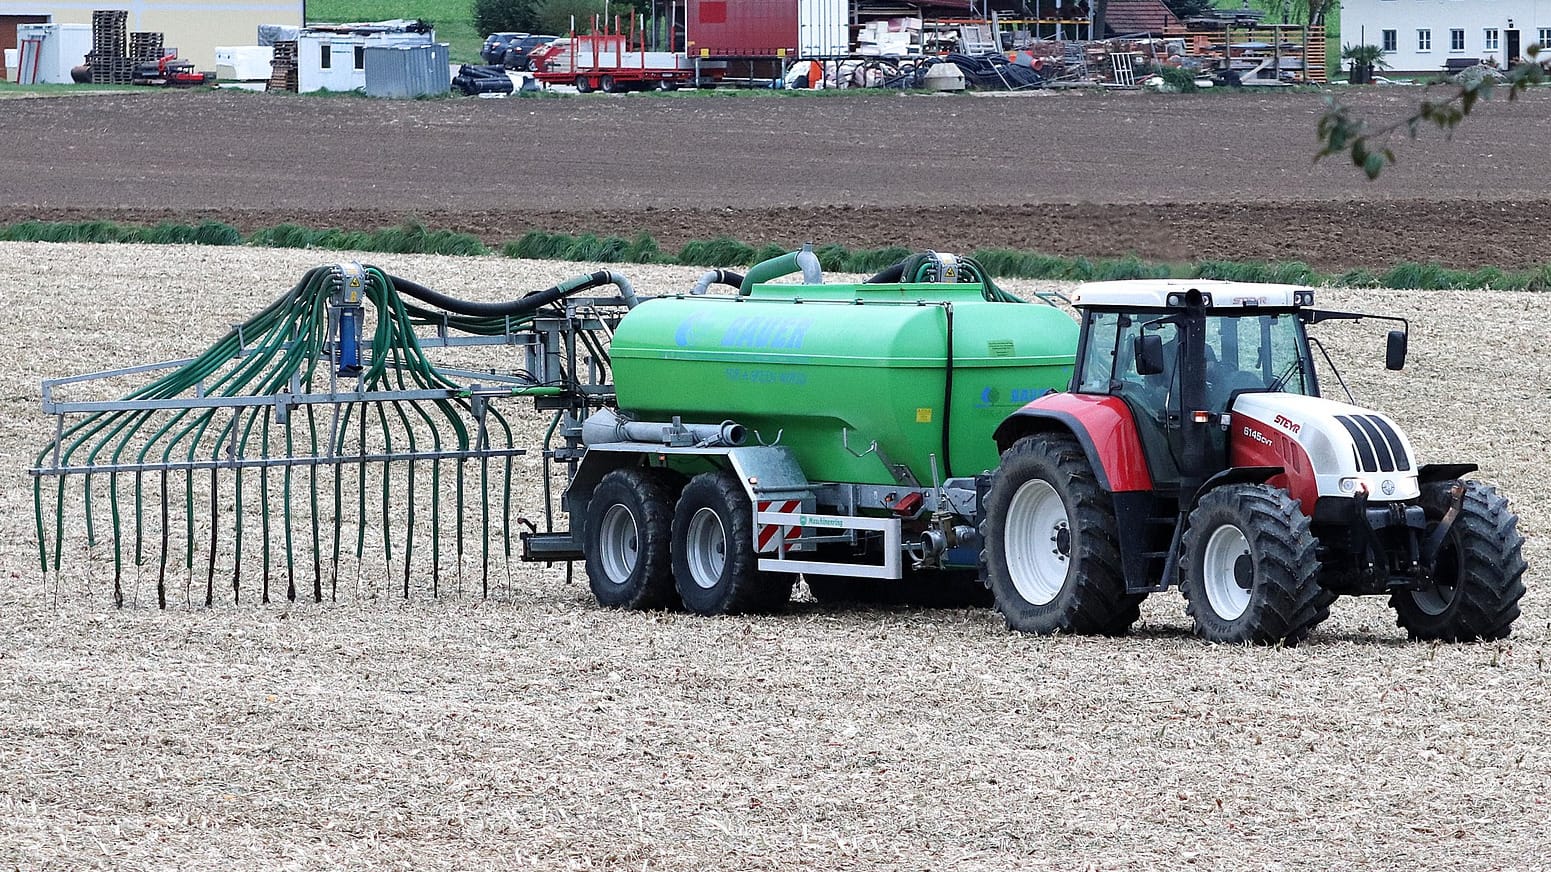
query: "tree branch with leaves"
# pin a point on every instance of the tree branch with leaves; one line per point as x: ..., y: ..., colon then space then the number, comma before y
x: 1342, y: 132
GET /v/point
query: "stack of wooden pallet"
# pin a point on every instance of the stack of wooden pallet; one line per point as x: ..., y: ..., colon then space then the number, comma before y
x: 283, y: 67
x: 145, y: 47
x: 109, y: 58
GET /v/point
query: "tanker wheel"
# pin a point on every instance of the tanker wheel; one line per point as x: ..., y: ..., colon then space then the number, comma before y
x: 667, y: 85
x: 607, y: 85
x: 714, y: 565
x: 1052, y: 546
x: 626, y: 540
x: 1251, y: 571
x: 583, y: 85
x: 1479, y: 571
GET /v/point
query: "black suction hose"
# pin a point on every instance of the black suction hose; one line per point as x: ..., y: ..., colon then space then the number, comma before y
x: 526, y: 304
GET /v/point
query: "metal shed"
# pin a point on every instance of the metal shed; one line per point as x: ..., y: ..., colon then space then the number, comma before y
x: 407, y: 71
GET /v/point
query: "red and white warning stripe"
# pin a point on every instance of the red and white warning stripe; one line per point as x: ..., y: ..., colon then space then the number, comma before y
x: 765, y: 534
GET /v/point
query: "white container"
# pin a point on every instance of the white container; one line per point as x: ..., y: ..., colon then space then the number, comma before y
x: 12, y: 58
x: 62, y: 47
x: 243, y: 63
x: 337, y: 62
x: 822, y: 28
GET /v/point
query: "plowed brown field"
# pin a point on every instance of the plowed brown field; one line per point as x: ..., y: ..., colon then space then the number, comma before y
x: 1212, y: 175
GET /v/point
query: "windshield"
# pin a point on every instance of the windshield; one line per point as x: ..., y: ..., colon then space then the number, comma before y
x: 1256, y: 352
x: 1263, y: 351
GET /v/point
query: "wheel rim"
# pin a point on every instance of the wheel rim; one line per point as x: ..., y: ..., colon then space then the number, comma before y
x: 1039, y: 542
x: 1229, y: 570
x: 705, y: 548
x: 1435, y: 600
x: 619, y: 543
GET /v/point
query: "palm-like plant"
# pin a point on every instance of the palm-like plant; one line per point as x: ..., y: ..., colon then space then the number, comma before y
x: 1364, y: 60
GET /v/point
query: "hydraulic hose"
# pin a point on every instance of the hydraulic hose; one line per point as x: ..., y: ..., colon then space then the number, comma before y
x: 525, y: 305
x: 784, y: 265
x: 716, y: 277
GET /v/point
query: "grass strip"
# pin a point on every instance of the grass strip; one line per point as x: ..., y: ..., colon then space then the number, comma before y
x: 413, y: 237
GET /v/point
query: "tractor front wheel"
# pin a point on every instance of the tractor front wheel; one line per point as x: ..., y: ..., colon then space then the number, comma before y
x: 629, y: 520
x: 1052, y: 546
x: 1479, y: 571
x: 714, y: 565
x: 1251, y: 574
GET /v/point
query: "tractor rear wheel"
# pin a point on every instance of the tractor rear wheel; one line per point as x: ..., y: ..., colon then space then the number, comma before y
x: 629, y: 522
x: 1251, y: 571
x: 1052, y: 546
x: 714, y: 565
x: 1479, y: 571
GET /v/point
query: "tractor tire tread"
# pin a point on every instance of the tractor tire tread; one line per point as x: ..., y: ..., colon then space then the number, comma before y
x: 1099, y: 604
x: 1288, y: 602
x: 1494, y: 564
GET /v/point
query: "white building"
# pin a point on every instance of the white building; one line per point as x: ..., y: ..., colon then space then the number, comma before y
x: 194, y: 29
x: 1423, y: 36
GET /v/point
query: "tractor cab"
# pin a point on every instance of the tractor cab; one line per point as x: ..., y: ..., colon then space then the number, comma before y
x: 1172, y: 350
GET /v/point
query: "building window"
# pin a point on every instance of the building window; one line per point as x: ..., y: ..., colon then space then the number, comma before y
x: 1457, y: 40
x: 1388, y: 40
x: 326, y: 56
x: 1424, y: 39
x: 1490, y: 44
x: 360, y: 53
x: 1543, y: 39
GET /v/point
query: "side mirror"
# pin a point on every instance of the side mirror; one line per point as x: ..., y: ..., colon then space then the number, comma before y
x: 1395, y: 350
x: 1149, y: 354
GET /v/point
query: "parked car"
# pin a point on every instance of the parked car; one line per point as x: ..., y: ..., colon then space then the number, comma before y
x: 496, y: 45
x: 517, y: 51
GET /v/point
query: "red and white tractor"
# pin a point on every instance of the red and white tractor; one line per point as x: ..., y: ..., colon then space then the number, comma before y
x: 1193, y: 447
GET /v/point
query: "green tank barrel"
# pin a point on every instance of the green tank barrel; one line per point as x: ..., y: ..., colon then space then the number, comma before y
x: 832, y: 370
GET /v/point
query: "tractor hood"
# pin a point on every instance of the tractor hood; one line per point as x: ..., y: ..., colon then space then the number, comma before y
x: 1344, y: 448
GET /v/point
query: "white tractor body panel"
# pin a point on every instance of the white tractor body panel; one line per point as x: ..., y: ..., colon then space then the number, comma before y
x: 1348, y: 447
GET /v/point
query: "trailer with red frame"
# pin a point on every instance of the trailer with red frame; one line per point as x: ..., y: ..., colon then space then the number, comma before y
x: 611, y: 62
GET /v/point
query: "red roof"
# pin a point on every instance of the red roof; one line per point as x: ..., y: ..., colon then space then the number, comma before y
x: 1138, y: 16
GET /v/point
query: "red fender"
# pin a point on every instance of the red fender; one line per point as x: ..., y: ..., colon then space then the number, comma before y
x: 1103, y: 426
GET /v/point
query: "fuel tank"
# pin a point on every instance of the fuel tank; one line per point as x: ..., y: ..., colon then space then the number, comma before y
x: 857, y: 380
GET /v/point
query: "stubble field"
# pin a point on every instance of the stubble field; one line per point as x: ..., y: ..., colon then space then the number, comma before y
x: 535, y: 730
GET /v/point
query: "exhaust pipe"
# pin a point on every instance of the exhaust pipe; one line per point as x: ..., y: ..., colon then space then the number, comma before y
x: 607, y: 425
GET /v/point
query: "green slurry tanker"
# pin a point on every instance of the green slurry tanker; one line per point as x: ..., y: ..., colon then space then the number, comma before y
x: 922, y: 435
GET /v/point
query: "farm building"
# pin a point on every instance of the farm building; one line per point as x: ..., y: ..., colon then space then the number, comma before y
x: 194, y: 29
x: 1426, y: 36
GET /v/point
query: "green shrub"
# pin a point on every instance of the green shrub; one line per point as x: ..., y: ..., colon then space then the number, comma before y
x: 491, y: 16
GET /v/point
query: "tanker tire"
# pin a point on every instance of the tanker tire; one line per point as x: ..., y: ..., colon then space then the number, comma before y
x: 1484, y: 550
x: 607, y: 85
x: 1251, y: 568
x: 1079, y: 532
x: 626, y: 540
x: 714, y: 565
x: 583, y: 85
